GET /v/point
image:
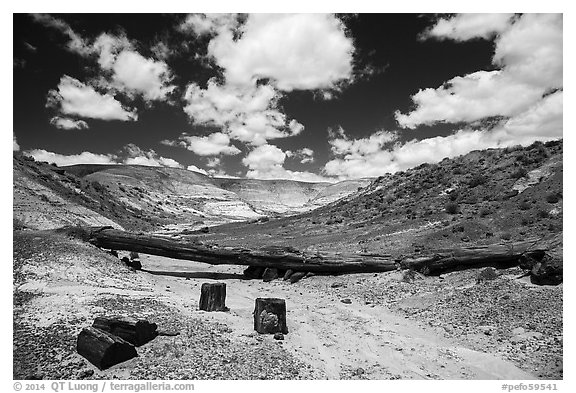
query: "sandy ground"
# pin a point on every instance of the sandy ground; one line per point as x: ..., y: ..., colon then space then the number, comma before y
x: 61, y: 284
x: 339, y: 339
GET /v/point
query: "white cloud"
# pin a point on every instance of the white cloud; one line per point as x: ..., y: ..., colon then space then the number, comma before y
x: 529, y: 52
x: 206, y: 24
x: 130, y: 155
x: 15, y: 145
x: 162, y: 51
x: 213, y: 162
x: 75, y: 44
x: 341, y: 144
x: 125, y: 69
x: 210, y: 145
x: 295, y: 127
x: 194, y: 168
x: 294, y: 51
x: 247, y: 114
x: 131, y: 72
x: 469, y: 98
x: 65, y: 123
x: 465, y: 27
x: 75, y: 98
x: 137, y: 156
x: 304, y: 155
x: 360, y: 158
x: 73, y: 159
x: 136, y: 74
x: 266, y: 162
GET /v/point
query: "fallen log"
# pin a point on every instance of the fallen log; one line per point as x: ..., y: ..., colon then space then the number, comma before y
x: 288, y: 258
x: 103, y: 349
x: 135, y: 331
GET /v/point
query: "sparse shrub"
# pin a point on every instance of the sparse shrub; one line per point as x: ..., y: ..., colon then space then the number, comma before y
x: 553, y: 197
x: 518, y: 173
x: 554, y: 228
x: 453, y: 195
x: 543, y: 213
x: 524, y: 205
x: 477, y: 180
x: 410, y: 276
x: 451, y: 208
x: 487, y: 274
x: 484, y: 212
x: 18, y: 224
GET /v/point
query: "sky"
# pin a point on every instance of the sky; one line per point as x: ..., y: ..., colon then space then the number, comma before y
x: 310, y: 97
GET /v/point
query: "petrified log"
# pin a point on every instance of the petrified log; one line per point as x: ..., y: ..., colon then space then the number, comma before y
x: 103, y: 349
x: 252, y: 272
x: 213, y: 297
x: 270, y: 316
x: 270, y: 274
x: 136, y: 264
x: 497, y: 255
x: 297, y: 276
x: 287, y: 275
x: 136, y: 331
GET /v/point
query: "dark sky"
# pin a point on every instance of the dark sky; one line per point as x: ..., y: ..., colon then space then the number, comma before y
x: 390, y: 65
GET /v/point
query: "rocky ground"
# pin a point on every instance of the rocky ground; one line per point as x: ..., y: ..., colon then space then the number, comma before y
x: 61, y: 284
x: 395, y: 325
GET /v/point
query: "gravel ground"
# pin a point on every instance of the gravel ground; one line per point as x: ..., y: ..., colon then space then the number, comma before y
x: 61, y: 284
x: 506, y: 316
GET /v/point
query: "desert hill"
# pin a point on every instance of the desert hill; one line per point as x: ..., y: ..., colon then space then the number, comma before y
x: 496, y: 195
x: 152, y: 198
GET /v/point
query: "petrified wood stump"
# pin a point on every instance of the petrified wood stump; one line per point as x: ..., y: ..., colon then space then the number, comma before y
x: 103, y: 349
x: 136, y: 332
x: 213, y: 297
x: 270, y: 316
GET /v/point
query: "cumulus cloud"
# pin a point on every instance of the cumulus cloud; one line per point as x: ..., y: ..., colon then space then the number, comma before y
x: 73, y: 159
x: 247, y: 114
x: 304, y: 155
x: 213, y: 162
x: 194, y: 168
x: 65, y: 123
x: 267, y: 162
x: 465, y: 27
x: 15, y: 145
x: 130, y: 154
x: 280, y: 47
x: 342, y: 145
x: 75, y: 44
x: 210, y: 145
x: 137, y: 156
x: 528, y: 50
x: 135, y: 74
x: 381, y: 153
x: 124, y: 68
x: 208, y: 24
x: 73, y: 97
